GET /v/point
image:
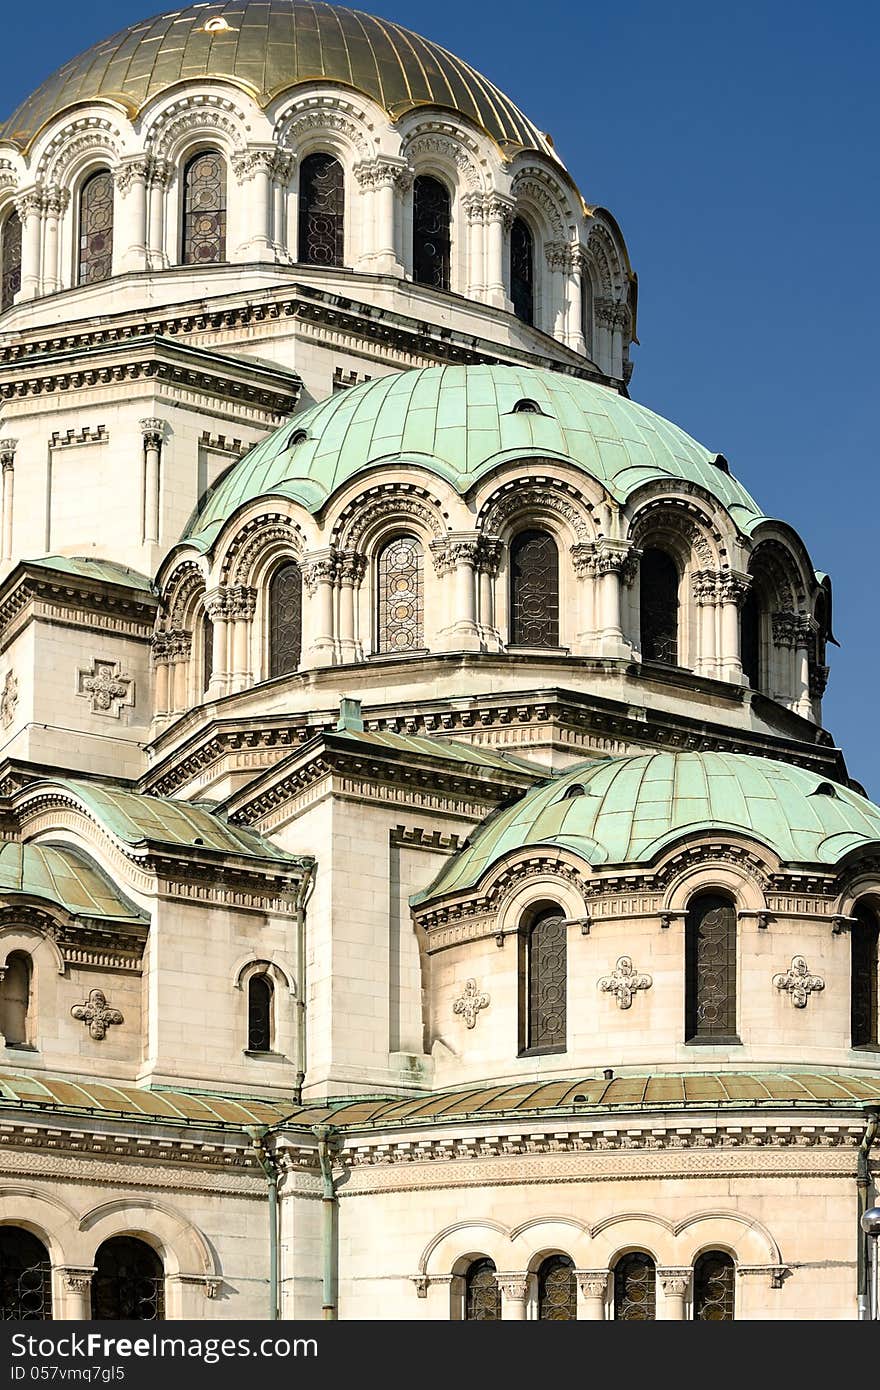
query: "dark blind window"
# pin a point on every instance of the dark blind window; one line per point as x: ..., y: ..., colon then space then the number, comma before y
x: 863, y: 991
x: 635, y: 1289
x: 25, y: 1277
x: 432, y: 215
x: 204, y: 210
x: 750, y: 639
x: 207, y: 652
x: 15, y: 998
x: 11, y: 260
x: 400, y: 625
x: 546, y: 984
x: 587, y: 310
x: 96, y: 228
x: 534, y: 590
x: 321, y: 211
x: 658, y: 607
x: 285, y: 619
x: 710, y: 952
x: 714, y: 1280
x: 557, y: 1290
x: 128, y: 1282
x: 259, y: 1014
x: 522, y: 271
x: 482, y: 1299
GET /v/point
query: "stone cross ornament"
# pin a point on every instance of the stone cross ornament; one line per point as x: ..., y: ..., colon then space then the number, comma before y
x: 798, y: 982
x: 624, y: 982
x: 97, y: 1014
x: 470, y: 1002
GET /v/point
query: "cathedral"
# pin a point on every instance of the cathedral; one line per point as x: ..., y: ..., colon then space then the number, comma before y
x: 427, y: 887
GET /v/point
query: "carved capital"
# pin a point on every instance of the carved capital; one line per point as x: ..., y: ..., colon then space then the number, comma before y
x: 246, y: 164
x: 77, y: 1279
x: 216, y: 604
x: 153, y: 431
x: 129, y: 171
x: 733, y: 587
x: 818, y: 679
x: 500, y: 209
x: 791, y: 629
x: 55, y: 199
x: 7, y: 453
x: 558, y: 254
x: 617, y: 557
x: 241, y: 602
x: 674, y: 1282
x: 583, y: 559
x: 29, y: 202
x: 514, y: 1286
x: 170, y: 645
x: 321, y: 567
x: 352, y: 567
x: 382, y: 172
x: 593, y: 1283
x: 705, y: 586
x: 489, y: 552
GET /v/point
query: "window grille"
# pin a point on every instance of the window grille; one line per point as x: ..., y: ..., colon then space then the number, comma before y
x: 259, y: 1014
x: 635, y: 1288
x: 321, y: 211
x: 129, y: 1282
x: 710, y: 950
x: 401, y: 604
x: 546, y: 971
x: 285, y: 619
x: 10, y: 260
x: 863, y: 978
x: 96, y: 228
x: 522, y: 271
x: 658, y: 607
x: 534, y: 590
x: 714, y: 1282
x: 557, y: 1290
x: 432, y: 216
x: 25, y: 1277
x: 204, y: 210
x: 482, y: 1300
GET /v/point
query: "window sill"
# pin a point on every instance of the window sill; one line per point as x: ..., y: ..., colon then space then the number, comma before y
x: 269, y: 1056
x: 732, y: 1041
x: 865, y: 1047
x: 20, y: 1047
x: 517, y: 650
x: 542, y: 1051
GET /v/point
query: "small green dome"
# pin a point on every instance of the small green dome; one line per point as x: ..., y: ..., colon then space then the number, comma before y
x: 626, y: 810
x: 459, y: 423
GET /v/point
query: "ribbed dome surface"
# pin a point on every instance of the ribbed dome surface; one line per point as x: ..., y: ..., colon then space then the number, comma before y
x: 267, y: 46
x: 626, y: 810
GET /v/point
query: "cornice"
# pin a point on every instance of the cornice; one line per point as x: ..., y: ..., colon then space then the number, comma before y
x: 35, y: 592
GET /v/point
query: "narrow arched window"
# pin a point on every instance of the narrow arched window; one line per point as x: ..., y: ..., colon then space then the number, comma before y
x: 204, y: 209
x: 534, y: 590
x: 285, y: 619
x: 710, y: 968
x: 658, y: 607
x: 96, y: 228
x: 15, y: 1000
x: 10, y: 260
x: 259, y: 1014
x: 522, y: 271
x: 587, y: 309
x: 482, y: 1296
x: 863, y: 978
x: 321, y: 211
x: 557, y: 1290
x: 432, y: 218
x: 129, y: 1281
x: 25, y: 1277
x: 750, y: 639
x: 714, y: 1284
x: 400, y: 623
x: 635, y: 1288
x: 543, y: 976
x: 207, y: 652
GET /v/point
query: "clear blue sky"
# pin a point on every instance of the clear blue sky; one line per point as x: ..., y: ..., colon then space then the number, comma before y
x: 737, y: 146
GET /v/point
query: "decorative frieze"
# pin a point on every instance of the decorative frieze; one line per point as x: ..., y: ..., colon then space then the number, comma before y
x: 798, y: 982
x: 97, y: 1014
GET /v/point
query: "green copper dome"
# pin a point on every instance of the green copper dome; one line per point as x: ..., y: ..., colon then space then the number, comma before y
x: 459, y: 423
x: 267, y: 47
x: 626, y: 810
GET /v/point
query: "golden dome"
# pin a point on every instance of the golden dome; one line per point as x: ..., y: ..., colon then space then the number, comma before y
x: 266, y: 47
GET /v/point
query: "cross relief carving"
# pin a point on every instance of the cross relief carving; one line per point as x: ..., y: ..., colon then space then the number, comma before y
x: 107, y: 688
x: 624, y: 982
x: 470, y: 1002
x: 798, y: 982
x: 97, y: 1014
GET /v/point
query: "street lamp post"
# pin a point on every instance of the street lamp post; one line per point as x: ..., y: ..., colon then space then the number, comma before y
x: 871, y: 1226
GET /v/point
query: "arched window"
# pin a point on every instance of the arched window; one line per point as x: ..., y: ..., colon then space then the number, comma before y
x: 557, y: 1290
x: 534, y: 590
x: 710, y: 967
x: 285, y: 619
x: 204, y: 209
x: 658, y: 607
x: 15, y: 1000
x: 129, y: 1281
x: 544, y: 984
x: 482, y: 1296
x: 714, y: 1282
x: 25, y: 1277
x: 587, y: 309
x: 207, y: 652
x: 400, y: 622
x: 321, y: 211
x: 522, y: 271
x: 635, y: 1288
x: 432, y: 218
x: 750, y: 639
x: 259, y: 1014
x: 10, y: 260
x: 96, y: 228
x: 863, y: 978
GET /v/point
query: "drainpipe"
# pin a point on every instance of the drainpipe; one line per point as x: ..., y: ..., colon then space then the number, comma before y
x: 303, y: 894
x: 863, y: 1184
x: 266, y: 1161
x: 330, y: 1221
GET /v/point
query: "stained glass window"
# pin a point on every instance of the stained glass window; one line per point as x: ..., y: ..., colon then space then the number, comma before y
x: 285, y: 619
x: 207, y: 652
x: 128, y: 1282
x: 321, y: 211
x: 714, y: 1281
x: 482, y: 1298
x: 658, y: 607
x: 204, y: 209
x: 96, y: 228
x: 534, y: 590
x: 557, y: 1290
x: 546, y: 969
x: 401, y: 581
x: 635, y: 1288
x: 259, y: 1014
x: 522, y: 271
x: 432, y: 216
x: 750, y: 639
x: 25, y: 1277
x: 863, y: 982
x: 710, y: 950
x: 10, y: 270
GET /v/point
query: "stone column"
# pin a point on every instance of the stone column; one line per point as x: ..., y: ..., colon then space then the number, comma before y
x: 217, y: 607
x: 241, y: 605
x: 584, y: 565
x: 153, y: 431
x: 732, y: 589
x: 456, y: 558
x: 804, y: 640
x: 514, y: 1294
x: 352, y: 568
x: 705, y: 588
x: 389, y: 174
x: 499, y: 216
x: 592, y: 1289
x: 319, y: 574
x: 7, y: 463
x: 162, y: 657
x: 488, y: 560
x: 282, y: 169
x: 159, y: 176
x: 130, y: 215
x: 74, y: 1284
x: 56, y: 201
x: 675, y: 1284
x: 577, y: 273
x: 180, y: 647
x: 556, y: 314
x: 29, y: 206
x: 473, y: 206
x: 615, y: 566
x: 253, y: 169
